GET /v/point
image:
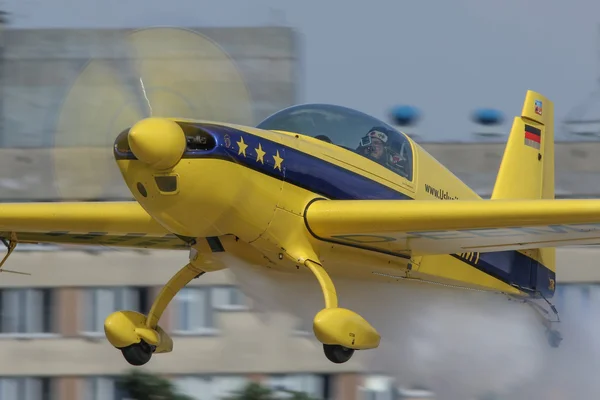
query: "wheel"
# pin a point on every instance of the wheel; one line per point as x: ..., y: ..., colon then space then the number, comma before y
x: 554, y: 338
x: 337, y: 354
x: 138, y: 353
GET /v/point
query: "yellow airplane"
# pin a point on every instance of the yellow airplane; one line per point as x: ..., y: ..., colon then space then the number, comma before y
x: 326, y: 190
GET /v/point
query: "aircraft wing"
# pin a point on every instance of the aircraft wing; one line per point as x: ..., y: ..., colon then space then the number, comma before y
x: 118, y: 224
x: 419, y: 227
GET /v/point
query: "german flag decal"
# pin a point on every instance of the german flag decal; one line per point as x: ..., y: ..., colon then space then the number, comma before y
x: 533, y: 137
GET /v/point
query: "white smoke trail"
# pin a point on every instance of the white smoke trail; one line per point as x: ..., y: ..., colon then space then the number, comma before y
x: 570, y: 371
x: 459, y: 343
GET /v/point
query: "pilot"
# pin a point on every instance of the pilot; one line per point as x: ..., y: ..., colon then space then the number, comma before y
x: 377, y: 145
x: 373, y: 145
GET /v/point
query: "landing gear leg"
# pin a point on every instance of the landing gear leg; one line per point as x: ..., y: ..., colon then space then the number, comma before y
x: 553, y: 336
x: 138, y: 336
x: 340, y: 330
x: 11, y: 245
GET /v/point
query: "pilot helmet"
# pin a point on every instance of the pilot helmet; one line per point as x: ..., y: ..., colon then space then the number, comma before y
x: 392, y: 156
x: 365, y: 146
x: 373, y: 134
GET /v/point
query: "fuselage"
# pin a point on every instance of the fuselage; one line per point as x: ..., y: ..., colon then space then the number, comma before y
x: 248, y: 188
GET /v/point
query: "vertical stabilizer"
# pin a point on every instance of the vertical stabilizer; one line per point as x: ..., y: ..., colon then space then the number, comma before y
x: 527, y: 167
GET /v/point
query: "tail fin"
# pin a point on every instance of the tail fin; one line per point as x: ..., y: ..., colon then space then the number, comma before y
x: 527, y: 167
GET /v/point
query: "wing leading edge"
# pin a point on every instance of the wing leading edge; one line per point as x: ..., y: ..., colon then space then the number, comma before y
x: 118, y: 224
x: 423, y: 227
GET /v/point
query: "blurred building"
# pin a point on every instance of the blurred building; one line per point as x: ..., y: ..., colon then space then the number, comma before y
x: 52, y: 335
x: 51, y: 322
x: 52, y: 343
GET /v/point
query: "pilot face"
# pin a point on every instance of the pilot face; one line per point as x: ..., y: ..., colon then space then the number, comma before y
x: 377, y: 149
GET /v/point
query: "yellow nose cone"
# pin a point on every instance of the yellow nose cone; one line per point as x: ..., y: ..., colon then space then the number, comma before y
x: 157, y: 142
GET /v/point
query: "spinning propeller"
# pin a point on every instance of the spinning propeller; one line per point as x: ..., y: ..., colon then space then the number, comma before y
x: 154, y: 72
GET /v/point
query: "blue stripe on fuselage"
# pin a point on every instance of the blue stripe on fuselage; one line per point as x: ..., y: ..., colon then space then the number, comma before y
x: 301, y: 169
x: 337, y: 183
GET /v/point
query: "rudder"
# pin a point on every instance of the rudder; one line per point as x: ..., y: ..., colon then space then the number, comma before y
x: 527, y: 167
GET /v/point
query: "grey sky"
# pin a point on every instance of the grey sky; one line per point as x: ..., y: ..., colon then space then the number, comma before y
x: 445, y: 57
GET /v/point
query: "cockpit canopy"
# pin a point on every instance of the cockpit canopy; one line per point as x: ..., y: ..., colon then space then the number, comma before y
x: 350, y: 129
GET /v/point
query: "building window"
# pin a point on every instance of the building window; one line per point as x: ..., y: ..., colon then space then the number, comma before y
x: 377, y: 387
x: 229, y: 298
x: 210, y: 387
x: 27, y: 311
x: 23, y: 388
x: 102, y: 388
x: 415, y: 393
x: 194, y: 308
x: 194, y: 311
x: 311, y: 384
x: 99, y: 303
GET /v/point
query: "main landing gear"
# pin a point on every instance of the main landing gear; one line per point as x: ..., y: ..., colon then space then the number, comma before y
x: 337, y: 354
x: 138, y: 353
x: 341, y: 331
x: 139, y: 336
x: 554, y: 337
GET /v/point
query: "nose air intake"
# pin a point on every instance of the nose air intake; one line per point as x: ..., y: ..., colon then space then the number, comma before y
x: 158, y: 142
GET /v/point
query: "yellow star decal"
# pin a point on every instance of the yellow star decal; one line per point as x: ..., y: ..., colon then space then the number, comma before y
x: 242, y: 146
x: 278, y: 161
x: 260, y: 154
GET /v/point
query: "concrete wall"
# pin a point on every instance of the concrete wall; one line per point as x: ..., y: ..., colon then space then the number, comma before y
x: 239, y: 341
x: 577, y: 169
x: 40, y: 66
